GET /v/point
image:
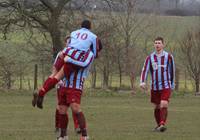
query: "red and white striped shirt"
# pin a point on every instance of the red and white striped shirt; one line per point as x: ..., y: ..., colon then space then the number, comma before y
x: 162, y: 70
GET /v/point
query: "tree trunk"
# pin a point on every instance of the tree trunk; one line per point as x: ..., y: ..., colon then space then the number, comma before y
x: 176, y: 4
x: 197, y: 82
x: 20, y: 78
x: 56, y: 39
x: 43, y: 73
x: 9, y: 80
x: 120, y: 78
x: 120, y: 70
x: 158, y: 6
x: 177, y: 79
x: 185, y: 83
x: 94, y: 76
x: 20, y: 81
x: 35, y: 77
x: 132, y: 76
x: 105, y: 77
x: 110, y: 80
x: 29, y: 84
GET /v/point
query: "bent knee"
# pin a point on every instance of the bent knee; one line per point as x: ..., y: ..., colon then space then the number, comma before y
x: 62, y: 109
x: 163, y: 104
x: 156, y: 106
x: 75, y: 107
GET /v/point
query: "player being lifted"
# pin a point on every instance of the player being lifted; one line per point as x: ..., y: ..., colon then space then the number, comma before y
x: 82, y: 49
x: 162, y: 69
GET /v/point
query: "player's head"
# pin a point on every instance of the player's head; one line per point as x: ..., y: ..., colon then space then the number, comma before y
x: 159, y: 44
x: 86, y: 24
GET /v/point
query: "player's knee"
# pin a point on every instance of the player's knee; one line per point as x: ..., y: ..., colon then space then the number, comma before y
x: 62, y: 109
x: 156, y: 106
x: 75, y: 107
x: 163, y: 104
x: 57, y: 107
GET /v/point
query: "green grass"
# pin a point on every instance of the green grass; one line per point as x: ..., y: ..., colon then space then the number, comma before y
x: 110, y: 116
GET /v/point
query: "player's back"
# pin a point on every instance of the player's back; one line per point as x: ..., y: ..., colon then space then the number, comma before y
x: 82, y: 39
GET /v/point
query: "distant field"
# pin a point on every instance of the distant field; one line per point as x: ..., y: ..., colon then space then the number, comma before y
x: 110, y: 116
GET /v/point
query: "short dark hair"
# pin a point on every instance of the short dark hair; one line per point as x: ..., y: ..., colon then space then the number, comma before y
x: 159, y: 38
x: 86, y: 24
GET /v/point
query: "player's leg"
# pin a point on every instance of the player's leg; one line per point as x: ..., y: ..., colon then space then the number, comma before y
x: 57, y: 111
x: 54, y: 72
x: 163, y: 116
x: 51, y: 82
x: 165, y: 94
x: 163, y: 111
x: 63, y: 120
x: 157, y: 115
x: 57, y: 118
x: 62, y: 115
x: 155, y: 99
x: 74, y: 99
x: 76, y: 125
x: 58, y: 64
x: 63, y: 69
x: 81, y: 119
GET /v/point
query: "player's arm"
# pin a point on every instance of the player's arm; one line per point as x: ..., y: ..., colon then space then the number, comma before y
x: 172, y: 71
x: 144, y: 73
x: 86, y: 60
x: 39, y: 97
x: 96, y: 46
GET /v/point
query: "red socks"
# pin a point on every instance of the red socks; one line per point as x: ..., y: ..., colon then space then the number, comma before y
x: 63, y: 122
x: 82, y: 123
x: 57, y: 119
x: 48, y: 85
x: 75, y: 120
x: 163, y: 115
x: 157, y: 115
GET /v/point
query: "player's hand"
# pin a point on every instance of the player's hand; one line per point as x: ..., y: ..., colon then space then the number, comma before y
x: 66, y: 58
x: 143, y: 86
x: 40, y: 101
x: 61, y: 55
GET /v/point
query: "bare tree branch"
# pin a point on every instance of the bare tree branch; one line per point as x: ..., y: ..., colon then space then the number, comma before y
x: 48, y: 5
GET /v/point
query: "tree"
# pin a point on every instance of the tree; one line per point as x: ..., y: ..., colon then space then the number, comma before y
x: 177, y: 3
x: 190, y: 50
x: 158, y: 5
x: 131, y: 25
x: 12, y: 65
x: 107, y: 59
x: 6, y: 73
x: 44, y: 15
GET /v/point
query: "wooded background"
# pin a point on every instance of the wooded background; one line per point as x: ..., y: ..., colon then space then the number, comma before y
x: 32, y: 33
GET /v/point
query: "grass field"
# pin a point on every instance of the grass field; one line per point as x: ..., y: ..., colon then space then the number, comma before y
x: 110, y: 116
